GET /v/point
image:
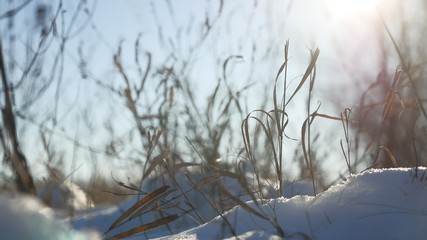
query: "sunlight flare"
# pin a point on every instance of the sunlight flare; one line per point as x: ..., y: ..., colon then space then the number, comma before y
x: 350, y: 8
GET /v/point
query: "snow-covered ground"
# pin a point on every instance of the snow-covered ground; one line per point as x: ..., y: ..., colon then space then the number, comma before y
x: 376, y: 204
x: 195, y: 197
x: 64, y: 195
x: 25, y: 217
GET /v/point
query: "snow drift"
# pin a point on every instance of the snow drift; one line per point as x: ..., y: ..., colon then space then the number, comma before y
x: 377, y: 204
x: 25, y: 217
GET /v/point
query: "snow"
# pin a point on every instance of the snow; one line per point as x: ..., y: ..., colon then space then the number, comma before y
x: 25, y: 217
x: 184, y: 181
x: 64, y: 195
x: 376, y: 204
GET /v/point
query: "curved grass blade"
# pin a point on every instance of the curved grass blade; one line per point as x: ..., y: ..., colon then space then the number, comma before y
x: 147, y: 199
x: 145, y: 227
x: 155, y: 162
x: 306, y: 74
x: 241, y: 203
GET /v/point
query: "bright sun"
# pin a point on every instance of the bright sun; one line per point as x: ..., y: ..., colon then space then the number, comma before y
x: 348, y: 8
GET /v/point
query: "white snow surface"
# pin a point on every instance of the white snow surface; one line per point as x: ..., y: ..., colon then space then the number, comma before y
x: 201, y: 199
x: 376, y: 204
x: 25, y: 217
x: 64, y: 195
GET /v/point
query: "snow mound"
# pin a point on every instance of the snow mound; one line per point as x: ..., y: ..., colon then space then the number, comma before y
x: 64, y: 195
x: 297, y: 187
x: 196, y: 200
x: 25, y: 217
x: 377, y: 204
x: 61, y: 194
x: 256, y: 235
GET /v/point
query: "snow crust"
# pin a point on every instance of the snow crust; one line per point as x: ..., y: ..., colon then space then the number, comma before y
x: 25, y: 217
x: 377, y: 204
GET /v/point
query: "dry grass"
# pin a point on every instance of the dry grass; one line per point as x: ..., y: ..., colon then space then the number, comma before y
x: 148, y: 203
x: 172, y: 133
x: 272, y: 129
x: 391, y: 116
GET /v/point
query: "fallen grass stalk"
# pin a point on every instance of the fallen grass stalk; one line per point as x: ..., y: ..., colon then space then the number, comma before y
x: 241, y: 203
x: 145, y: 227
x: 147, y: 201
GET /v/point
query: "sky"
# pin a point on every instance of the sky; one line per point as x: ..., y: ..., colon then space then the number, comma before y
x: 344, y: 33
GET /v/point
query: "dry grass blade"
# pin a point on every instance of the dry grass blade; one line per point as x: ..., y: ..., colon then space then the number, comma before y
x: 156, y: 161
x: 282, y: 67
x: 145, y: 227
x: 390, y: 155
x: 388, y: 107
x: 207, y: 180
x: 212, y: 99
x: 405, y: 68
x: 12, y: 153
x: 228, y: 174
x: 178, y: 166
x: 240, y: 202
x: 269, y: 134
x: 243, y: 183
x: 224, y: 65
x: 147, y: 199
x: 122, y: 184
x: 344, y: 118
x: 347, y: 154
x: 307, y: 73
x: 155, y: 200
x: 246, y: 137
x: 304, y: 143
